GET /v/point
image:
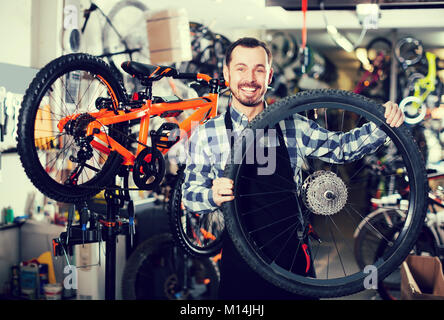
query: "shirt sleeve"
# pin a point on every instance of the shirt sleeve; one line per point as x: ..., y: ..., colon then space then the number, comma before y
x: 338, y: 147
x: 197, y: 195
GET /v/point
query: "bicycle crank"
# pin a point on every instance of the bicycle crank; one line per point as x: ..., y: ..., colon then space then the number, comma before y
x: 324, y: 193
x: 149, y: 168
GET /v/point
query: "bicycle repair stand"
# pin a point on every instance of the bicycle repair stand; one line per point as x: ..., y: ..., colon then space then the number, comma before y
x: 94, y: 228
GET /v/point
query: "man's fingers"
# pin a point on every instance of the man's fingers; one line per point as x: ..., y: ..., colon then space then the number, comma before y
x: 222, y: 181
x: 388, y: 107
x: 393, y: 114
x: 223, y: 199
x: 396, y: 119
x: 400, y: 121
x: 224, y: 191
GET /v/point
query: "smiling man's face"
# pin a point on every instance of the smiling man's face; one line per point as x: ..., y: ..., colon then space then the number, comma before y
x: 249, y: 74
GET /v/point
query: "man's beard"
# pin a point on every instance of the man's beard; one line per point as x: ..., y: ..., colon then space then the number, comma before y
x: 248, y: 102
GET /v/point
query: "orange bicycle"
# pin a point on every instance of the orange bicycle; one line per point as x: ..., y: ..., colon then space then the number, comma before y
x: 76, y: 121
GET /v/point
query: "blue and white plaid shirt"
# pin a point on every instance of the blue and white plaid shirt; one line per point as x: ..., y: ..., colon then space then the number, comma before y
x: 209, y: 150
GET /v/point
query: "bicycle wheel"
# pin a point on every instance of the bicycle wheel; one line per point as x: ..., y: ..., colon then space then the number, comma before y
x: 155, y: 271
x: 326, y: 185
x: 369, y: 246
x: 61, y: 162
x: 126, y: 31
x: 376, y: 227
x: 199, y: 235
x: 390, y: 287
x: 284, y: 48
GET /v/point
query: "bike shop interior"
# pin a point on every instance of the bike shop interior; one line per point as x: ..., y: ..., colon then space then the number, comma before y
x: 55, y: 245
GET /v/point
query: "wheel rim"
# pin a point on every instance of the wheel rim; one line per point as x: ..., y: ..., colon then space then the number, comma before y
x: 61, y: 99
x: 354, y: 276
x: 202, y: 232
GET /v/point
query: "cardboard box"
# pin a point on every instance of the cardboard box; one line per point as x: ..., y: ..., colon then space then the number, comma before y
x: 422, y: 278
x: 169, y: 38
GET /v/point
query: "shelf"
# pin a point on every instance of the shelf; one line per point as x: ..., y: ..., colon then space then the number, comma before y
x: 11, y: 225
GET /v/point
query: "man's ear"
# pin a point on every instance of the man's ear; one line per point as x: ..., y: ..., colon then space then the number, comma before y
x: 270, y: 79
x: 226, y: 73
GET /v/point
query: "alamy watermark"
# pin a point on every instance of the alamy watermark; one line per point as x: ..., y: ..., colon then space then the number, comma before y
x: 70, y: 280
x: 250, y: 147
x: 371, y: 281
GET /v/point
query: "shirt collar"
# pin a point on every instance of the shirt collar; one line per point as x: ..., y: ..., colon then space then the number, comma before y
x: 238, y: 117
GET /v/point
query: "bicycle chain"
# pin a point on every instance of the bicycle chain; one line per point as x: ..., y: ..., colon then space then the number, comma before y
x: 127, y: 137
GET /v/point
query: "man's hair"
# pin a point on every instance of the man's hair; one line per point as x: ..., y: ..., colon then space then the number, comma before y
x: 248, y: 43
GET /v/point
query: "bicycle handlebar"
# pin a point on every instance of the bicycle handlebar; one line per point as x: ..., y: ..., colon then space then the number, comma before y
x: 200, y: 76
x: 190, y: 76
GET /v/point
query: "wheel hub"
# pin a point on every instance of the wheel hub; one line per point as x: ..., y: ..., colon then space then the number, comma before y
x: 324, y: 193
x: 77, y: 128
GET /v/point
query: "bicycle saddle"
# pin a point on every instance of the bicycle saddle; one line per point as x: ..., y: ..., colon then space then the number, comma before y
x: 150, y: 72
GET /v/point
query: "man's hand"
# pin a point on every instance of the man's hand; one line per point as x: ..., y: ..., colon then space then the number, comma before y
x: 222, y: 190
x: 393, y: 114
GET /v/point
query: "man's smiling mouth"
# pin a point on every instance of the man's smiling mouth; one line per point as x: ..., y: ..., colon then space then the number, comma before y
x: 249, y: 90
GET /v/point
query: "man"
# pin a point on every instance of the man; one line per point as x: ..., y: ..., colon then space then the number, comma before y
x: 248, y: 70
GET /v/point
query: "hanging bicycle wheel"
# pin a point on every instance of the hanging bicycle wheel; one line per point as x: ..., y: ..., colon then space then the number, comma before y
x: 56, y: 110
x: 371, y: 244
x: 158, y: 270
x: 200, y: 235
x: 284, y: 48
x: 124, y: 36
x: 330, y: 197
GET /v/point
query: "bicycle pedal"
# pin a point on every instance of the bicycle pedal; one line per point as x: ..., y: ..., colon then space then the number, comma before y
x: 166, y: 136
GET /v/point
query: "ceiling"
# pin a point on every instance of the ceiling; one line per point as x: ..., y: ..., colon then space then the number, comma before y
x: 224, y: 16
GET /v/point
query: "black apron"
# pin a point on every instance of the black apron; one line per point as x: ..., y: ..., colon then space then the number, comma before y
x: 238, y: 281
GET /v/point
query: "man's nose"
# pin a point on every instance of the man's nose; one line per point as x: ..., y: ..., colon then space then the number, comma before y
x: 250, y: 76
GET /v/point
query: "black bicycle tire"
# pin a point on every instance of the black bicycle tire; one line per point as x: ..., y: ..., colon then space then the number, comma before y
x: 174, y: 214
x: 269, y: 118
x: 140, y: 254
x: 25, y: 141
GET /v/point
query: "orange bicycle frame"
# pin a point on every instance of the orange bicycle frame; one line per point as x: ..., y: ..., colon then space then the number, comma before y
x: 206, y: 108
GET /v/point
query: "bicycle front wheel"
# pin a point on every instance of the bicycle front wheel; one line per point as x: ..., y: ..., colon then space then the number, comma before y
x: 330, y: 193
x: 51, y: 138
x: 371, y: 243
x: 199, y: 235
